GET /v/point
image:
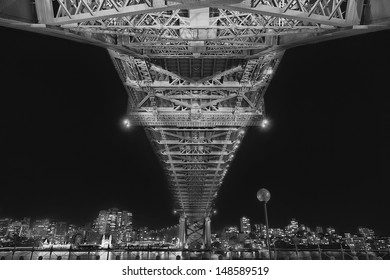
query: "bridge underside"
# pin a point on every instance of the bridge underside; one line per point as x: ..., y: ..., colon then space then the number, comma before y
x: 195, y: 111
x: 196, y: 72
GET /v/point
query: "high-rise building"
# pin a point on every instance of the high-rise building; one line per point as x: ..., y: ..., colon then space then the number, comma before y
x: 60, y: 232
x: 113, y: 219
x: 115, y: 222
x: 126, y: 226
x: 245, y: 225
x: 101, y: 222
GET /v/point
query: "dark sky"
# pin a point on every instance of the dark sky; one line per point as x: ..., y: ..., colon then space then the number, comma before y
x: 325, y: 158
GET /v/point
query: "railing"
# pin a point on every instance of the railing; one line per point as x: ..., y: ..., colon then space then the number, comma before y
x: 176, y: 254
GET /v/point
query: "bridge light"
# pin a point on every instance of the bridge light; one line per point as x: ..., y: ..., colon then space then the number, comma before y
x: 126, y: 123
x: 241, y: 132
x: 264, y: 123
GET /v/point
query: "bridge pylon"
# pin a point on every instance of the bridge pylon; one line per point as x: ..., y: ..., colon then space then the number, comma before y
x: 194, y: 232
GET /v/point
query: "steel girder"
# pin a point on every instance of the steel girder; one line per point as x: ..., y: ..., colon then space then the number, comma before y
x: 330, y: 12
x: 165, y: 29
x: 195, y: 125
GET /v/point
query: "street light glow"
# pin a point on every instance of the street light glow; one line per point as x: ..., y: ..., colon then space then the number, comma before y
x: 264, y: 123
x: 126, y: 123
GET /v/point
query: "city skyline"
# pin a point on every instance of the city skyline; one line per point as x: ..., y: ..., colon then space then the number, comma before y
x: 109, y: 225
x: 63, y: 144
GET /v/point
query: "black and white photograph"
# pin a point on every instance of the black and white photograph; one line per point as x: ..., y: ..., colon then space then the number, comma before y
x: 194, y: 130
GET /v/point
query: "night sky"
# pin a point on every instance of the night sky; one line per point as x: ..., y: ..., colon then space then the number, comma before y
x: 325, y: 158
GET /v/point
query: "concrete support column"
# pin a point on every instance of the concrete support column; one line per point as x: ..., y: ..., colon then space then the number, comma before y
x: 45, y: 11
x: 354, y: 12
x: 182, y: 232
x: 207, y: 232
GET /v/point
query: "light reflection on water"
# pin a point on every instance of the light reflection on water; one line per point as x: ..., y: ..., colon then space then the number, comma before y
x: 92, y: 255
x: 173, y: 255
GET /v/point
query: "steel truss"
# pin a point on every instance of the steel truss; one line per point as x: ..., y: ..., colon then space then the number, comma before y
x: 319, y: 11
x: 158, y: 28
x: 195, y: 125
x: 196, y: 73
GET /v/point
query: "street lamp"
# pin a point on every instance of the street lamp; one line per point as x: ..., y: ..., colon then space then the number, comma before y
x: 263, y: 195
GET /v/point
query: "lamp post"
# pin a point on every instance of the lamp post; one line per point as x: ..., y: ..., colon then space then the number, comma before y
x: 263, y: 195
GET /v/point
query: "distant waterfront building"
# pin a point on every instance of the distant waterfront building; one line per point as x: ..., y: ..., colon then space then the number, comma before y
x: 61, y: 230
x: 366, y: 232
x: 304, y: 228
x: 100, y: 223
x: 245, y: 225
x: 4, y: 223
x: 292, y: 228
x: 41, y: 228
x: 229, y: 232
x: 25, y: 230
x: 313, y: 240
x: 92, y: 237
x: 330, y: 230
x: 276, y: 232
x: 381, y: 244
x: 360, y: 244
x: 14, y: 228
x: 72, y: 229
x: 51, y: 231
x: 125, y: 224
x: 319, y: 230
x: 115, y: 222
x: 258, y: 228
x: 19, y: 228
